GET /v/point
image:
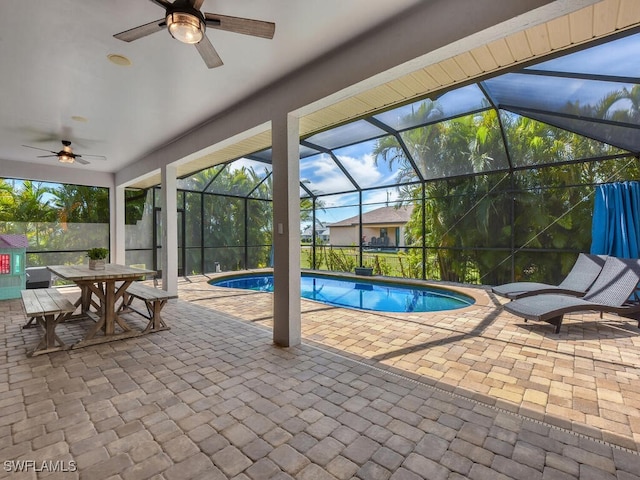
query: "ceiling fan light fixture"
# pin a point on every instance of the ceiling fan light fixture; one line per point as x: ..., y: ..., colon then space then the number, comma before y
x: 64, y: 158
x: 185, y: 27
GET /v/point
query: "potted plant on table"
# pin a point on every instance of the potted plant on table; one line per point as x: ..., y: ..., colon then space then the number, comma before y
x: 97, y: 258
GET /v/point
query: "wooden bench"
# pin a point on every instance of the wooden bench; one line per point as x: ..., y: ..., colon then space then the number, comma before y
x: 47, y: 307
x: 154, y: 299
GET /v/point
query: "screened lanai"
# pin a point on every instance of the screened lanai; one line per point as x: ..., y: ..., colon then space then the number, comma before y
x: 492, y: 194
x: 500, y: 174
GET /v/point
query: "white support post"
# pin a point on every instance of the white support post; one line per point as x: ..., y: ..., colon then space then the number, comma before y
x: 286, y: 234
x: 169, y: 200
x: 117, y: 242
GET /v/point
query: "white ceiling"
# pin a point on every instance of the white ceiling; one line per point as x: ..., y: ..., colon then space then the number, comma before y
x: 55, y: 68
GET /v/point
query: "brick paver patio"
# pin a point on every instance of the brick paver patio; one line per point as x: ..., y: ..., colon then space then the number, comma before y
x: 473, y: 393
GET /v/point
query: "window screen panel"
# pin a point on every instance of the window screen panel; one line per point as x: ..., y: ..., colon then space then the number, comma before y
x: 620, y: 136
x: 199, y: 181
x: 371, y: 168
x: 531, y: 142
x: 321, y: 175
x: 452, y: 104
x: 240, y: 177
x: 575, y: 97
x: 611, y: 58
x: 348, y: 134
x: 465, y: 145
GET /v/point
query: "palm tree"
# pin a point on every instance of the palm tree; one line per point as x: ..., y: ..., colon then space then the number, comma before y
x: 32, y: 212
x: 7, y: 203
x: 228, y: 214
x: 468, y: 230
x: 81, y: 204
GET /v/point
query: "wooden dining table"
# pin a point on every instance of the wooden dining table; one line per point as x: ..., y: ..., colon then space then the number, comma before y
x: 101, y: 290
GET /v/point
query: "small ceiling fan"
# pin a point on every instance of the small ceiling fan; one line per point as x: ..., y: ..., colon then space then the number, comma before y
x: 66, y: 155
x: 188, y: 24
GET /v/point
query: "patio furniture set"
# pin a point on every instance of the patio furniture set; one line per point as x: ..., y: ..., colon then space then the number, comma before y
x: 596, y: 282
x: 104, y: 296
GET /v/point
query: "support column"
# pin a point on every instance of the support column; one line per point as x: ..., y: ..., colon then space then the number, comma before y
x: 286, y: 230
x: 117, y: 238
x: 169, y: 199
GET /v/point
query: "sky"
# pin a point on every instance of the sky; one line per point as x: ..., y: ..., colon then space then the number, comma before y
x: 322, y: 175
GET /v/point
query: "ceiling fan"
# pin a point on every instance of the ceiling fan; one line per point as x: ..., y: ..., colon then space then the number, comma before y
x: 66, y: 155
x: 188, y: 24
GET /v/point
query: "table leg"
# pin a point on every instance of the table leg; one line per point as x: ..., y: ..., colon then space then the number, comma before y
x: 109, y: 293
x: 80, y: 302
x: 50, y: 342
x: 109, y: 308
x: 90, y: 288
x: 85, y: 298
x: 120, y: 293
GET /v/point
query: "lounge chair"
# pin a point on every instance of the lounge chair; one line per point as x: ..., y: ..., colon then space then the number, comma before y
x: 611, y: 292
x: 577, y: 282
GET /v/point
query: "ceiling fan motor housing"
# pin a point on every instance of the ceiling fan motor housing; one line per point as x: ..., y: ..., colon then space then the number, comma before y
x: 186, y: 24
x: 66, y: 155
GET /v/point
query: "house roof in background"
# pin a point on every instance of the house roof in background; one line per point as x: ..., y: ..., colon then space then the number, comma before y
x: 380, y: 216
x: 319, y: 231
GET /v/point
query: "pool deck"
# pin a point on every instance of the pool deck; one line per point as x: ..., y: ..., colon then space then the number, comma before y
x: 471, y: 393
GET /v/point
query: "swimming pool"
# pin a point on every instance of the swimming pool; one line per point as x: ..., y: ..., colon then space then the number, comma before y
x: 363, y: 294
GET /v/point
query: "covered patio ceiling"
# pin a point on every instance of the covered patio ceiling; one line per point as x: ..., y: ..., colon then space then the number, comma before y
x: 62, y: 81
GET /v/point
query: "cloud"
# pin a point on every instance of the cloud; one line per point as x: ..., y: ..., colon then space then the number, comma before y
x: 258, y: 167
x: 324, y: 176
x: 363, y: 169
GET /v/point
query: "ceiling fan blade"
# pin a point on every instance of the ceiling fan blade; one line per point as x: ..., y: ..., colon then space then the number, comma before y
x: 46, y: 156
x: 197, y: 4
x: 208, y: 53
x: 44, y: 138
x: 163, y: 3
x: 95, y: 157
x: 81, y: 161
x: 43, y: 149
x: 246, y: 26
x: 141, y: 31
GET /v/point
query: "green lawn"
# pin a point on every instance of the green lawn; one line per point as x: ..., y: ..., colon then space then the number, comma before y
x: 394, y: 264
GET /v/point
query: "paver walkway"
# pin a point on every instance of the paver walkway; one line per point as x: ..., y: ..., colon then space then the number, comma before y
x: 473, y: 394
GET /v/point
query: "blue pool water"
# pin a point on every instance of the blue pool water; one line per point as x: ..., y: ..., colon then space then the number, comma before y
x: 356, y: 293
